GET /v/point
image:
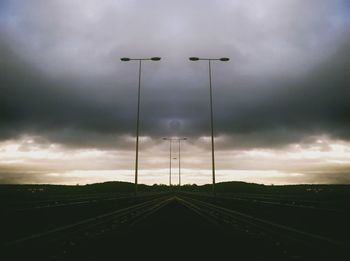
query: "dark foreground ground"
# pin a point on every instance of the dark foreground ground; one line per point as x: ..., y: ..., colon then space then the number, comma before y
x: 176, y: 232
x: 49, y: 226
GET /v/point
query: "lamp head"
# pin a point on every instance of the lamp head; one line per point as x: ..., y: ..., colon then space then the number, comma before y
x: 194, y: 59
x: 156, y: 58
x: 224, y: 59
x: 125, y: 59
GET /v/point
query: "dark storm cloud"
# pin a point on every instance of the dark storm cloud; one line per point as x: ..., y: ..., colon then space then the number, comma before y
x: 289, y: 110
x: 33, y: 104
x: 61, y: 79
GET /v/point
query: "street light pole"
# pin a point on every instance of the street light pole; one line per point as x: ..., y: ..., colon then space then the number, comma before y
x: 180, y: 139
x: 125, y: 59
x: 170, y: 141
x: 212, y: 127
x: 211, y: 112
x: 179, y: 164
x: 179, y: 157
x: 137, y: 128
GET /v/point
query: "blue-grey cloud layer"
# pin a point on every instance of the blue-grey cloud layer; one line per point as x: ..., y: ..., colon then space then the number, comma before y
x: 61, y: 77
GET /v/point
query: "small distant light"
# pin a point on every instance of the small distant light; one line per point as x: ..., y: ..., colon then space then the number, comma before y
x: 125, y: 59
x: 224, y: 59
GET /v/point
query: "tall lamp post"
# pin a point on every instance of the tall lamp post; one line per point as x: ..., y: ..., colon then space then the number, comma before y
x: 125, y: 59
x: 179, y: 157
x: 170, y: 141
x: 180, y: 139
x: 224, y: 59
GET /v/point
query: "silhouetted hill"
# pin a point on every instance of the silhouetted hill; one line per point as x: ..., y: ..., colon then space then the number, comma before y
x: 45, y: 190
x: 117, y: 187
x: 337, y: 192
x: 98, y: 187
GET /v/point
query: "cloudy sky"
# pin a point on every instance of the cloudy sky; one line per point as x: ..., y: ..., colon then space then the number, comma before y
x: 68, y: 104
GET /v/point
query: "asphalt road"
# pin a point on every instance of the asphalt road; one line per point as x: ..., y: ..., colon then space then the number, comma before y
x: 172, y: 231
x: 177, y: 232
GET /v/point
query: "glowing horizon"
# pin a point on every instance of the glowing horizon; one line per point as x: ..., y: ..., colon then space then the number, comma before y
x: 293, y: 164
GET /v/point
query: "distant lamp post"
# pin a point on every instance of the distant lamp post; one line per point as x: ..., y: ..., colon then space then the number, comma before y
x: 126, y: 59
x: 170, y: 141
x: 179, y: 157
x: 224, y: 59
x: 180, y: 139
